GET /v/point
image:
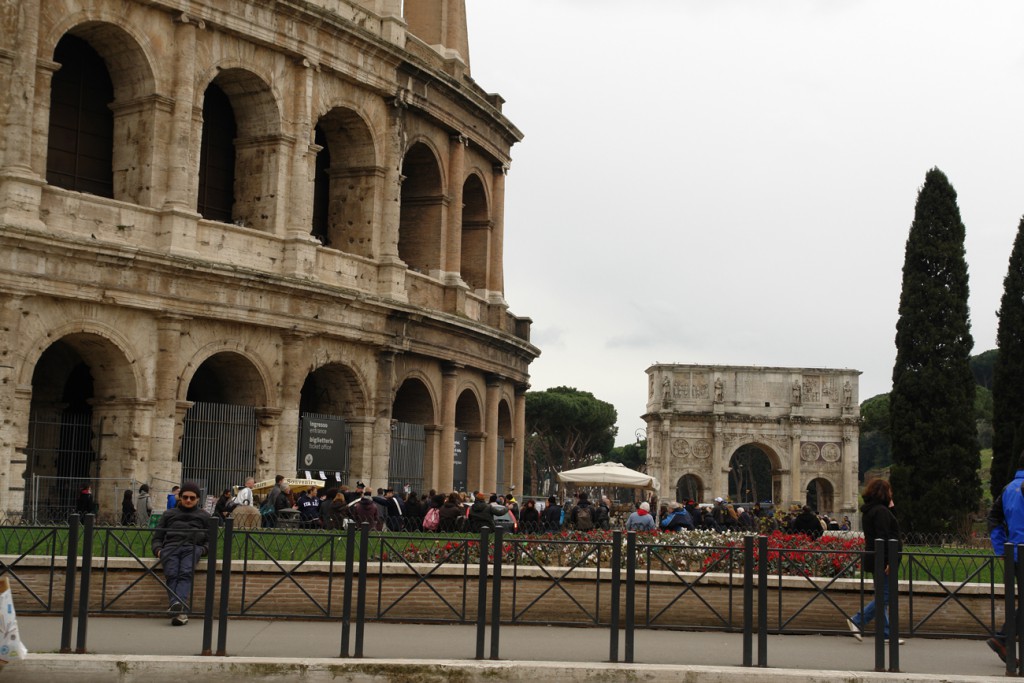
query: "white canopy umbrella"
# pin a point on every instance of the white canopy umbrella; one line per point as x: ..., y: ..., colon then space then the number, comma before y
x: 609, y: 474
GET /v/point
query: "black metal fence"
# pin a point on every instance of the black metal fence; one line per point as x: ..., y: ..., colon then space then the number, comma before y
x: 622, y: 582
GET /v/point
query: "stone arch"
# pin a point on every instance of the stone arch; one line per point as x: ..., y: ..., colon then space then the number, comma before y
x: 821, y: 495
x: 690, y: 487
x: 257, y: 148
x: 414, y: 401
x: 347, y: 177
x: 476, y: 233
x: 469, y: 422
x: 805, y: 421
x: 754, y: 473
x: 98, y: 341
x: 81, y: 417
x: 334, y: 388
x: 97, y: 139
x: 423, y: 209
x: 251, y: 387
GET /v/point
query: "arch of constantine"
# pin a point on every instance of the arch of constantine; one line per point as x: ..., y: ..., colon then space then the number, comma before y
x: 802, y: 423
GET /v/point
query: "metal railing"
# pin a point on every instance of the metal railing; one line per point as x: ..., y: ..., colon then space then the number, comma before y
x: 593, y: 581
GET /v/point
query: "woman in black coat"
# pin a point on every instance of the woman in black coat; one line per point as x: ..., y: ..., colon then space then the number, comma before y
x: 878, y: 521
x: 127, y: 509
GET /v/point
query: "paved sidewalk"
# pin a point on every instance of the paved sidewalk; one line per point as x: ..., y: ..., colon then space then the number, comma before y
x: 280, y: 641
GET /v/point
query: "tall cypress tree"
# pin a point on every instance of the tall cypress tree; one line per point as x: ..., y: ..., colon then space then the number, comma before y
x: 1008, y: 372
x: 934, y: 449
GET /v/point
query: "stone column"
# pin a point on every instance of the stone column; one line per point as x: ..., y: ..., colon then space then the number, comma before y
x: 14, y: 423
x: 166, y: 425
x: 446, y: 459
x: 380, y: 455
x: 496, y: 270
x: 490, y: 454
x: 300, y: 247
x: 20, y: 186
x: 796, y: 494
x: 360, y: 449
x: 270, y: 462
x: 431, y: 455
x: 519, y: 453
x: 391, y: 271
x: 180, y: 216
x: 293, y: 374
x: 452, y: 255
x: 475, y: 459
x: 718, y: 463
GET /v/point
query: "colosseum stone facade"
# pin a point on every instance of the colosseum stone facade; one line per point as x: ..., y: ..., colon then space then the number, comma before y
x: 246, y: 238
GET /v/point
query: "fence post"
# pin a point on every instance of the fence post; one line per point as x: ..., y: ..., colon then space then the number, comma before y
x: 346, y: 603
x: 1009, y: 578
x: 499, y: 550
x: 364, y: 551
x: 748, y: 601
x: 894, y: 605
x: 83, y: 598
x: 69, y: 585
x: 481, y: 593
x: 613, y: 646
x: 880, y: 606
x: 1018, y: 612
x: 225, y: 588
x: 211, y: 585
x: 630, y: 593
x: 762, y: 602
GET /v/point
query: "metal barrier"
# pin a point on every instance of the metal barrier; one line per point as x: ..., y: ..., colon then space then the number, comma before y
x: 600, y: 584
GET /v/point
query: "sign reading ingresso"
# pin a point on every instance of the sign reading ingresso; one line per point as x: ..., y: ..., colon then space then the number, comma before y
x: 321, y: 443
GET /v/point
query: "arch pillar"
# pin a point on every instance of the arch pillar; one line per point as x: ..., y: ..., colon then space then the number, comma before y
x: 519, y: 451
x: 495, y: 270
x: 446, y: 459
x: 391, y: 271
x: 431, y: 456
x: 20, y: 186
x: 374, y: 465
x: 180, y: 216
x: 452, y: 239
x: 121, y: 427
x: 292, y: 377
x: 168, y: 416
x: 796, y: 492
x: 268, y: 461
x: 364, y: 434
x: 489, y: 462
x: 300, y: 246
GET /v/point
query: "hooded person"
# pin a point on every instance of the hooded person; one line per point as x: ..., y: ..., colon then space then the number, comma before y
x: 641, y: 519
x: 365, y: 510
x: 482, y: 513
x: 179, y: 540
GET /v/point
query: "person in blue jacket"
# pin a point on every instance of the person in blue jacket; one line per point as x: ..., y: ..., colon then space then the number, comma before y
x: 1006, y: 525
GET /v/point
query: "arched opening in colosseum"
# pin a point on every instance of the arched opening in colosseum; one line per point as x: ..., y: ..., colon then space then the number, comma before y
x: 101, y: 97
x: 476, y: 234
x: 506, y: 448
x: 821, y: 496
x: 80, y: 144
x: 469, y: 443
x: 419, y: 228
x: 346, y: 183
x: 239, y: 151
x: 754, y: 475
x: 220, y: 433
x: 72, y: 424
x: 690, y: 487
x: 411, y: 414
x: 331, y: 397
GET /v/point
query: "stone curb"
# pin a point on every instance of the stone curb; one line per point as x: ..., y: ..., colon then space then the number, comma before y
x: 57, y: 668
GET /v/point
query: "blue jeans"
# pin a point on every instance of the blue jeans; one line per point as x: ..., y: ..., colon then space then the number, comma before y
x: 179, y: 567
x: 864, y: 617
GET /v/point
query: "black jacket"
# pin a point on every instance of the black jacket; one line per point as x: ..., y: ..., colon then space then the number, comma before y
x: 181, y: 525
x: 878, y: 521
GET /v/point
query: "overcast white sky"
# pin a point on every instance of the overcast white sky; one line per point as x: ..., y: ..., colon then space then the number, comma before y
x: 733, y: 181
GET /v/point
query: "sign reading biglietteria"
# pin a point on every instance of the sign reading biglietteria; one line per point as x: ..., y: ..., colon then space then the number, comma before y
x: 321, y: 444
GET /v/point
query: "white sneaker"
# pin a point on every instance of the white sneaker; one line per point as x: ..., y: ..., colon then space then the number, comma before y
x: 901, y: 641
x: 855, y: 630
x: 179, y: 620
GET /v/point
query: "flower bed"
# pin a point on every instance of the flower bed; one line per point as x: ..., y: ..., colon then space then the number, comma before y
x: 789, y: 554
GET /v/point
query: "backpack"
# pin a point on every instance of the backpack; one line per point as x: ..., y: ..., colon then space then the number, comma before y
x: 584, y: 520
x: 433, y: 520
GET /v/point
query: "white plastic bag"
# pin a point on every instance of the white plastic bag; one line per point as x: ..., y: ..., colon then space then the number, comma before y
x: 11, y: 647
